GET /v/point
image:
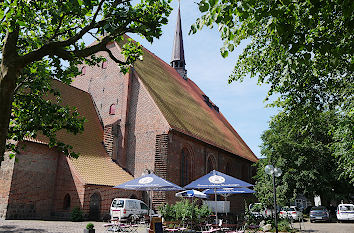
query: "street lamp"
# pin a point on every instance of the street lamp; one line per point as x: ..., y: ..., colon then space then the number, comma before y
x: 275, y: 172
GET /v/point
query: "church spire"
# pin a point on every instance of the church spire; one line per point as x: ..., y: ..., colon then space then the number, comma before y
x: 178, y: 61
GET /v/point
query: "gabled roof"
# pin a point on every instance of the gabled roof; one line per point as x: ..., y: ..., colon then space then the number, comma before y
x: 93, y: 166
x: 182, y: 104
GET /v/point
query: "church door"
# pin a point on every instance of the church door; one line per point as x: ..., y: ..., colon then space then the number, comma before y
x: 95, y: 206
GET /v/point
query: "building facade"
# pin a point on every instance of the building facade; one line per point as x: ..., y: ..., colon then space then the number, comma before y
x: 153, y: 118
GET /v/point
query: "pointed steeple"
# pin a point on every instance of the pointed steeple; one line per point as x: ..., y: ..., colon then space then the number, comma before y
x: 178, y: 61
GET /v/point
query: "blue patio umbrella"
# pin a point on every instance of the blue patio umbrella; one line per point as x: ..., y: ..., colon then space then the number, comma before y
x: 149, y: 182
x: 228, y: 192
x: 215, y: 180
x: 191, y: 193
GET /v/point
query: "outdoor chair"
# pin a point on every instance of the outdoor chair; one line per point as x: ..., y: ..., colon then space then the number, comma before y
x: 113, y: 226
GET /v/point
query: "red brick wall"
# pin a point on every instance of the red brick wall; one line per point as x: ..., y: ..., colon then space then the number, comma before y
x: 145, y: 121
x: 107, y: 194
x: 67, y: 182
x: 6, y: 171
x: 108, y: 86
x: 32, y: 185
x: 200, y: 152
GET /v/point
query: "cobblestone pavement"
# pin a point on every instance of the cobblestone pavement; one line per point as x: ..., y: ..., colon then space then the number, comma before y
x: 37, y: 226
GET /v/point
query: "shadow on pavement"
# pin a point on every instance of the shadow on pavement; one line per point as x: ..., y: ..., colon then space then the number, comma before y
x: 12, y: 228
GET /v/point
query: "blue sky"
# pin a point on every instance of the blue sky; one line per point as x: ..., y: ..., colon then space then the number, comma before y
x: 241, y: 103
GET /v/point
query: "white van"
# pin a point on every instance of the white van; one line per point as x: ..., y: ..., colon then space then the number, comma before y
x: 345, y: 212
x: 124, y: 208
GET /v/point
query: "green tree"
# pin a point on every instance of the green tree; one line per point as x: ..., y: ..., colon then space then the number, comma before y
x: 343, y: 146
x: 304, y: 153
x: 304, y: 49
x: 37, y: 36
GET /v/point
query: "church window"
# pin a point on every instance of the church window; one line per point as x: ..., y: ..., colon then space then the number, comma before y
x: 210, y: 164
x: 185, y: 167
x: 104, y: 65
x: 112, y: 109
x: 83, y: 70
x: 67, y: 201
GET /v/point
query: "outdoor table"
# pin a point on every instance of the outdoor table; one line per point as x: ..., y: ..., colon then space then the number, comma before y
x: 117, y: 226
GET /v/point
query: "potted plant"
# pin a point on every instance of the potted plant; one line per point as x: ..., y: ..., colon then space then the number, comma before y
x: 89, y: 228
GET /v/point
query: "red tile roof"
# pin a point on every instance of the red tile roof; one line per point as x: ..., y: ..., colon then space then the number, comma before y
x: 182, y: 104
x: 93, y: 166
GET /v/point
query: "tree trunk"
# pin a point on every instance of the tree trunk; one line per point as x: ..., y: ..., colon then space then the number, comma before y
x: 9, y: 72
x: 7, y: 86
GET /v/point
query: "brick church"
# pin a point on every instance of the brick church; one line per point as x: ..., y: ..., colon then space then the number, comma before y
x: 153, y: 118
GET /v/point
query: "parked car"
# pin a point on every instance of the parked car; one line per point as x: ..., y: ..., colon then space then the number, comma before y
x: 256, y: 209
x: 123, y: 208
x: 259, y: 211
x: 345, y: 212
x: 319, y: 213
x: 291, y: 212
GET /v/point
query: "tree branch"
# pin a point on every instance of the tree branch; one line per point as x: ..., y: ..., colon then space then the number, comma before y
x: 57, y: 29
x: 57, y: 47
x: 94, y: 36
x: 20, y: 84
x: 114, y: 58
x: 97, y: 11
x: 4, y: 17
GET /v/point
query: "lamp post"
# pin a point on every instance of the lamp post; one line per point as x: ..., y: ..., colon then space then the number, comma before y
x: 275, y: 172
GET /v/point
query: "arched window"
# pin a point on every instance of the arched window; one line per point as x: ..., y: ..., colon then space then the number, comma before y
x: 186, y: 169
x: 67, y: 202
x: 83, y: 70
x: 210, y: 164
x: 112, y: 109
x: 104, y: 65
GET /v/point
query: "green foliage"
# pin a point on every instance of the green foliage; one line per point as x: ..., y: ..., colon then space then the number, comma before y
x: 184, y: 210
x: 343, y: 146
x: 284, y: 226
x: 202, y: 212
x: 90, y: 226
x: 41, y: 41
x: 304, y: 49
x: 167, y: 212
x: 303, y: 150
x: 249, y: 217
x: 76, y: 215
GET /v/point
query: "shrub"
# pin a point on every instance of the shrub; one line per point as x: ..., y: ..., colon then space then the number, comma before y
x: 184, y: 210
x: 76, y: 215
x: 89, y: 226
x: 167, y: 212
x: 284, y: 225
x: 202, y: 212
